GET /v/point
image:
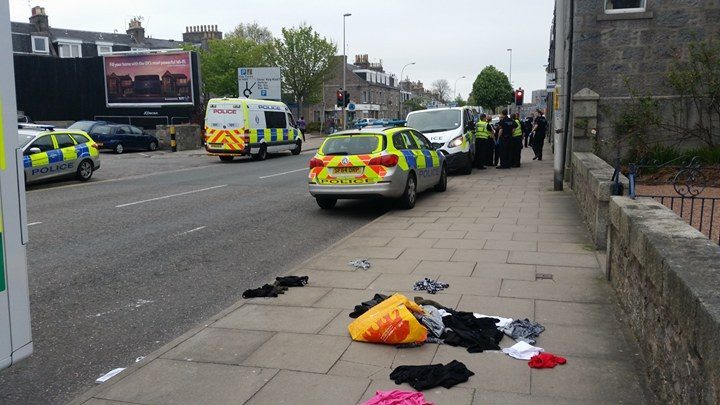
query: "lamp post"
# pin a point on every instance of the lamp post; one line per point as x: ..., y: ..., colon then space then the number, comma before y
x: 510, y: 78
x: 402, y: 71
x: 344, y: 68
x: 455, y: 87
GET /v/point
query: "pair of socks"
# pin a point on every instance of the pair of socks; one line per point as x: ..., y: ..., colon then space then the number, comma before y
x: 546, y: 360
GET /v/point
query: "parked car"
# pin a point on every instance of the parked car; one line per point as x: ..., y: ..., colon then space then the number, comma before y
x: 122, y: 137
x: 87, y: 125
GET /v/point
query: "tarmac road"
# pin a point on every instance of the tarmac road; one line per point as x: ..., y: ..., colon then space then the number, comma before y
x: 150, y: 248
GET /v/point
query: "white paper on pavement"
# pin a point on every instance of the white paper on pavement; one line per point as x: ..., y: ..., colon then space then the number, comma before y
x: 109, y: 375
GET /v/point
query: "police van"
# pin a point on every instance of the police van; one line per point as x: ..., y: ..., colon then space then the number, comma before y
x: 451, y: 131
x: 241, y: 127
x: 51, y: 153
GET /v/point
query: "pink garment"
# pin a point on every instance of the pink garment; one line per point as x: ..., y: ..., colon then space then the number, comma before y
x: 397, y: 397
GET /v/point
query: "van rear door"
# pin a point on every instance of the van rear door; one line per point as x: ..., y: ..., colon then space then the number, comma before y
x: 224, y: 126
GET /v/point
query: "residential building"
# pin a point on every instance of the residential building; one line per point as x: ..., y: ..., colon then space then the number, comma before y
x: 606, y: 53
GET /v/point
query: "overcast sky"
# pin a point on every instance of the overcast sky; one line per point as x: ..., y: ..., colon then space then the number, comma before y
x: 446, y: 39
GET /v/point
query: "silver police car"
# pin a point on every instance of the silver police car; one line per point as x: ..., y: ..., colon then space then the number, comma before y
x: 49, y: 153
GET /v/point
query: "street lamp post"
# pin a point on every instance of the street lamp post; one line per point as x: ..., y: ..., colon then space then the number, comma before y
x: 344, y: 68
x: 510, y: 78
x: 455, y: 87
x: 402, y: 71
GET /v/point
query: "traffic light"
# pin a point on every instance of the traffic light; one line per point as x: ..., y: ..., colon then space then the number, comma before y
x: 519, y: 94
x: 347, y: 98
x: 340, y: 99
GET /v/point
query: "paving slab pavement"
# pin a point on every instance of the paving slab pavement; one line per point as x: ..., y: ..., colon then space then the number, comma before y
x: 489, y: 236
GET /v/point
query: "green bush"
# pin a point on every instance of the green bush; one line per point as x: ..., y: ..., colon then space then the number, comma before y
x: 707, y: 156
x: 313, y: 126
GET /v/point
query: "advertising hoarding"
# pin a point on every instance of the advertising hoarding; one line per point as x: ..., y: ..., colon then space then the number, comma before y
x: 261, y: 83
x: 158, y: 79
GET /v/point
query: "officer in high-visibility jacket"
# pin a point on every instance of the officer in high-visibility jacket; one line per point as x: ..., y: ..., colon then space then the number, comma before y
x: 517, y: 144
x: 483, y: 133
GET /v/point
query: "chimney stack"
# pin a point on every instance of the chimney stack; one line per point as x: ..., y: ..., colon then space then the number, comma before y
x: 136, y: 30
x: 39, y: 19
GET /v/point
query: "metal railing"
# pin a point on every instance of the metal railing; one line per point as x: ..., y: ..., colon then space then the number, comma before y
x: 700, y: 212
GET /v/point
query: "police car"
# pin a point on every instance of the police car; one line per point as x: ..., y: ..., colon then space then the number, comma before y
x: 49, y: 153
x: 392, y: 162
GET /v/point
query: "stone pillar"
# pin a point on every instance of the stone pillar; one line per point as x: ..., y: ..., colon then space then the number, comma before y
x: 584, y: 120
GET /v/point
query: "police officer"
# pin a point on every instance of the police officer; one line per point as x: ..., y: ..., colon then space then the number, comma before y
x: 517, y: 138
x: 482, y: 134
x: 490, y: 143
x: 505, y: 140
x: 527, y: 129
x: 539, y: 131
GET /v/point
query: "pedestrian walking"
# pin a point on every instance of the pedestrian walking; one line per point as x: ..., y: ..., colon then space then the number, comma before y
x: 539, y: 131
x: 482, y: 134
x: 505, y: 136
x: 301, y: 126
x: 517, y: 141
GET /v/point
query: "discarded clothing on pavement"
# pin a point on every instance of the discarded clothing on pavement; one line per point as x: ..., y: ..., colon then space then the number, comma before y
x: 432, y: 321
x: 366, y: 305
x: 522, y: 351
x: 360, y: 264
x: 475, y: 334
x: 546, y: 360
x: 431, y: 376
x: 431, y: 286
x: 291, y: 281
x: 397, y: 397
x: 502, y: 322
x: 423, y: 301
x: 279, y: 287
x: 523, y: 330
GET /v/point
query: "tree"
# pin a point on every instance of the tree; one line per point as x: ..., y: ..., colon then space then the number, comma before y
x: 459, y: 101
x: 306, y: 61
x: 441, y: 89
x: 252, y: 31
x: 491, y: 89
x: 414, y: 104
x: 222, y: 59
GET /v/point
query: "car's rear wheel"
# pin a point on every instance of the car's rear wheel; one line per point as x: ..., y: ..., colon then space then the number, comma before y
x: 227, y: 158
x: 442, y: 183
x: 407, y: 201
x: 326, y: 203
x: 298, y: 147
x: 152, y: 146
x: 85, y: 170
x: 262, y: 153
x: 119, y: 148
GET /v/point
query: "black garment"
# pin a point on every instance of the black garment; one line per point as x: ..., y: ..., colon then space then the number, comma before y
x: 365, y: 306
x: 517, y: 146
x: 507, y: 126
x: 527, y: 129
x: 475, y: 334
x: 265, y: 291
x: 423, y: 301
x: 538, y: 143
x: 490, y: 151
x: 480, y: 153
x: 542, y: 124
x: 291, y: 281
x: 431, y: 376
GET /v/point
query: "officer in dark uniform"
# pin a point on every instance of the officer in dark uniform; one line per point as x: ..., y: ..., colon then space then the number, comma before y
x: 505, y: 134
x: 539, y: 131
x: 527, y: 129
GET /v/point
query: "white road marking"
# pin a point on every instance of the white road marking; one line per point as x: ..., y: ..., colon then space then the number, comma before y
x: 193, y: 230
x: 34, y: 223
x: 284, y: 173
x: 169, y: 196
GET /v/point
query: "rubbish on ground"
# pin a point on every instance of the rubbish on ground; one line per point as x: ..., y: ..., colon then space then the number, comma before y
x: 546, y: 360
x: 366, y: 305
x: 502, y: 322
x: 475, y: 334
x: 432, y: 321
x: 431, y: 286
x: 423, y: 301
x: 279, y: 287
x: 523, y: 330
x: 397, y: 397
x: 291, y: 281
x: 390, y: 322
x: 360, y: 264
x: 522, y: 351
x: 430, y: 376
x: 109, y: 375
x: 139, y: 359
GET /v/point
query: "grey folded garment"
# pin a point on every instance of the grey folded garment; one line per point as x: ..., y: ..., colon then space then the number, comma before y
x: 432, y: 320
x: 360, y: 264
x: 523, y: 330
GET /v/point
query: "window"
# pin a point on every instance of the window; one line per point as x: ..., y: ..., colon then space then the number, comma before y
x: 79, y: 138
x: 624, y: 6
x: 292, y: 120
x: 398, y: 141
x: 44, y: 143
x: 136, y: 131
x: 422, y: 141
x: 64, y: 141
x: 124, y: 130
x: 103, y: 48
x: 102, y: 130
x: 40, y: 45
x: 409, y: 141
x: 69, y: 50
x: 275, y: 119
x: 351, y: 145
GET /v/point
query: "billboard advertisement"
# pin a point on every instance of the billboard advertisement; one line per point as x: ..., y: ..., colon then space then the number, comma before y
x: 159, y: 79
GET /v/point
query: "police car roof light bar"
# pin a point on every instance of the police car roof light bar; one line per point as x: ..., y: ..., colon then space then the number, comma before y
x: 36, y: 126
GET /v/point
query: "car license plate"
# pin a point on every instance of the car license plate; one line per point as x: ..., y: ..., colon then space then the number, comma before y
x: 217, y: 145
x: 347, y: 170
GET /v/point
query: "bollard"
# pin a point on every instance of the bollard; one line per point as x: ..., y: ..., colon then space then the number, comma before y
x: 173, y: 141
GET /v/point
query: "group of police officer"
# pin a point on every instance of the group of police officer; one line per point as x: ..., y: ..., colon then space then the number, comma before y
x: 501, y: 145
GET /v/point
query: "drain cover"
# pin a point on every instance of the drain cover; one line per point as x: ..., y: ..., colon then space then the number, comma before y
x: 543, y: 276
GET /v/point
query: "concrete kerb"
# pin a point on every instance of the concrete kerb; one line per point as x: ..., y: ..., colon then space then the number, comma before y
x: 86, y: 396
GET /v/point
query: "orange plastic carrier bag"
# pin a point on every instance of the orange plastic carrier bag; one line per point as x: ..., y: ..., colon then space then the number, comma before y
x: 390, y: 322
